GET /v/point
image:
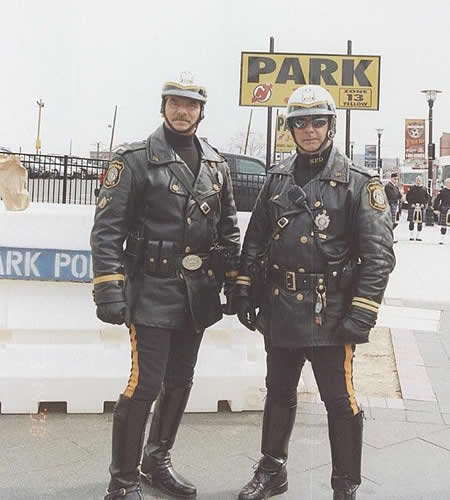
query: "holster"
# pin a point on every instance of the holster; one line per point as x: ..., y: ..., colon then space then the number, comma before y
x: 134, y: 254
x: 258, y: 275
x: 220, y: 262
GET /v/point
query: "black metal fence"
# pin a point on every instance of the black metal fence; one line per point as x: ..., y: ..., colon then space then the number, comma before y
x: 245, y: 189
x: 63, y: 179
x: 70, y: 179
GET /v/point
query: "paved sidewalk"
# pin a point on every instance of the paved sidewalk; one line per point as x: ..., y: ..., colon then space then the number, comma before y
x: 406, y: 441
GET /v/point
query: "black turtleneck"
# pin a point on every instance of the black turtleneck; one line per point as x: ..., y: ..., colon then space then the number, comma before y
x: 185, y: 147
x: 309, y: 166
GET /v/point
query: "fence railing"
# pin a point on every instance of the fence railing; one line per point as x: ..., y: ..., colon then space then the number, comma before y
x: 63, y: 179
x: 70, y: 179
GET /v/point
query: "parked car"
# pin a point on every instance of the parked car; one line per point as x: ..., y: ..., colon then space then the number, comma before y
x: 247, y: 175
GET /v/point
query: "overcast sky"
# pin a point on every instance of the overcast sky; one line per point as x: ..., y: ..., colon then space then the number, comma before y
x: 84, y: 57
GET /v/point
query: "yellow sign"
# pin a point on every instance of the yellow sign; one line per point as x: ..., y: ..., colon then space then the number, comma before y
x: 283, y: 138
x: 268, y: 79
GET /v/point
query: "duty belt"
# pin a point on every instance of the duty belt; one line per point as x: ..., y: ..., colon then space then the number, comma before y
x: 293, y: 281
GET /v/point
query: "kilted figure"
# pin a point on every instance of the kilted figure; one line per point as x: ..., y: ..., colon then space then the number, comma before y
x: 442, y: 206
x: 417, y: 199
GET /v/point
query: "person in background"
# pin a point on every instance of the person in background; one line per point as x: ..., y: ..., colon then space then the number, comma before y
x: 170, y: 198
x: 417, y: 198
x: 442, y: 207
x: 394, y: 199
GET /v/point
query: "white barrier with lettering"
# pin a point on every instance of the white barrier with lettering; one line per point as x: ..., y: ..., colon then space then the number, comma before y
x: 54, y: 349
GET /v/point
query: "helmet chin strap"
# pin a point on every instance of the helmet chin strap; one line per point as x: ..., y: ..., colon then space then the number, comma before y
x: 327, y: 141
x: 175, y: 131
x: 318, y: 152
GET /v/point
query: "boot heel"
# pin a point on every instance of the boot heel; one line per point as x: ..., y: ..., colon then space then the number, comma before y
x: 280, y: 489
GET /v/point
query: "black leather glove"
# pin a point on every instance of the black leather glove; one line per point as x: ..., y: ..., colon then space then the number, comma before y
x: 354, y: 331
x: 356, y: 326
x: 245, y: 312
x: 115, y: 313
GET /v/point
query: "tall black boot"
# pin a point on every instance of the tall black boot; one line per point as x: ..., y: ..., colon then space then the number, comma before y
x: 270, y: 477
x: 156, y: 465
x: 346, y: 451
x: 129, y: 420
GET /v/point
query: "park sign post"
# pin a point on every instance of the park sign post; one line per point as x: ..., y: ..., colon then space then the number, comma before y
x: 268, y: 79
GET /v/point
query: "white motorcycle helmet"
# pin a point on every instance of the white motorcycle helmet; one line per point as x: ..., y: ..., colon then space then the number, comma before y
x: 312, y: 100
x: 185, y: 87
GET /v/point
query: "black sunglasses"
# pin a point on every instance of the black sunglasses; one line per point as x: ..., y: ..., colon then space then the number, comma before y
x: 299, y: 122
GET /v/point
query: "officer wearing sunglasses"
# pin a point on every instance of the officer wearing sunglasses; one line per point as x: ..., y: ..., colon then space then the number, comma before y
x: 319, y: 246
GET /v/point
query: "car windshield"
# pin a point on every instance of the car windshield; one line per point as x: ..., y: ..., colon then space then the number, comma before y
x: 245, y: 166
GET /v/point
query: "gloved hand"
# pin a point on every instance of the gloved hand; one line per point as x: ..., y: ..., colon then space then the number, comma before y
x: 245, y: 312
x: 354, y: 331
x: 115, y: 313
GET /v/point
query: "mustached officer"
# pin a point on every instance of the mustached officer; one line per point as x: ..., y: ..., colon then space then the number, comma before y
x: 170, y: 199
x: 319, y: 245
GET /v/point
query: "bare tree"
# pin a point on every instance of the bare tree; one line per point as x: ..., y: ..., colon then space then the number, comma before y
x: 256, y: 145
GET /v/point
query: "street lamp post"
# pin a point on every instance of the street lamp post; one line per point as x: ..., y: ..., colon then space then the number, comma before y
x: 431, y: 97
x: 113, y: 127
x: 352, y: 143
x: 40, y: 103
x: 379, y: 161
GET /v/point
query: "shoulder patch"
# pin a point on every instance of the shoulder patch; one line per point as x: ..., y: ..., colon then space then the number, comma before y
x: 112, y: 176
x: 377, y: 197
x: 102, y: 202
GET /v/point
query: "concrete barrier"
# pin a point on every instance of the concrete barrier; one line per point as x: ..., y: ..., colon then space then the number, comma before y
x: 54, y: 349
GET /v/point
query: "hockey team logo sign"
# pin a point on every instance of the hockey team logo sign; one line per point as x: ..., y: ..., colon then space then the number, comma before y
x: 262, y: 93
x: 268, y: 79
x: 414, y: 139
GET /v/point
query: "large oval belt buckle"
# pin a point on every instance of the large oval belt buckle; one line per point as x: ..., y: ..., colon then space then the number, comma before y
x: 192, y: 262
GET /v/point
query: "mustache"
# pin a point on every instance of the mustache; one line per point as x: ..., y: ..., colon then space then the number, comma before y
x: 180, y: 117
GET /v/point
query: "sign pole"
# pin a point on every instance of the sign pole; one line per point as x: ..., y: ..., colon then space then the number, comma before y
x: 275, y: 140
x: 269, y: 118
x: 248, y: 131
x: 347, y: 113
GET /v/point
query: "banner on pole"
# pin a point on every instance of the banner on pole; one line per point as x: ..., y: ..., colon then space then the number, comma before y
x: 414, y: 139
x: 268, y: 79
x: 284, y: 143
x: 370, y: 156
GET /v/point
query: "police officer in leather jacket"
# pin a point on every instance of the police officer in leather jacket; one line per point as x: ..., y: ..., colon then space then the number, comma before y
x: 165, y: 238
x: 319, y: 246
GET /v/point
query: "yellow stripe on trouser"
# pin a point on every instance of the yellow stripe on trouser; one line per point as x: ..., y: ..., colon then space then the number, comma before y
x: 134, y: 375
x: 348, y: 363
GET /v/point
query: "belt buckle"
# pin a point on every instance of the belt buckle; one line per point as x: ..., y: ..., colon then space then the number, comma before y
x: 291, y: 281
x: 192, y: 262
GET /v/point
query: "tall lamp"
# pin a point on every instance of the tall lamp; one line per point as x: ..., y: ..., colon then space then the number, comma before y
x: 40, y: 103
x: 379, y: 162
x: 431, y: 97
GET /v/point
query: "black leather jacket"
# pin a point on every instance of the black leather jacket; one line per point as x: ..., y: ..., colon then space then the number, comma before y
x: 324, y: 261
x: 142, y: 201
